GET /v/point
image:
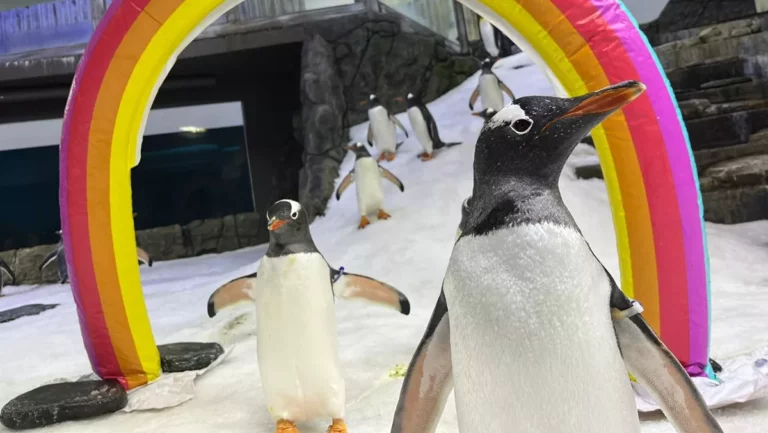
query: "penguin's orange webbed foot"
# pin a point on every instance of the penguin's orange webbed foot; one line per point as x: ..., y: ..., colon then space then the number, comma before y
x: 382, y: 157
x: 426, y: 156
x: 285, y: 426
x: 338, y: 426
x: 383, y: 215
x: 391, y: 156
x: 363, y: 222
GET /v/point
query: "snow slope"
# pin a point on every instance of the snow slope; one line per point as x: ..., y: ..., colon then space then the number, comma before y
x: 409, y: 251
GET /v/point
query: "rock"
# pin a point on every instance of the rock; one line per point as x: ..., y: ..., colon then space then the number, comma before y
x: 51, y: 404
x: 162, y: 243
x: 739, y: 172
x: 685, y: 14
x: 710, y: 34
x: 736, y: 205
x: 751, y: 90
x: 178, y: 357
x: 250, y: 228
x: 732, y: 107
x: 28, y: 263
x: 23, y: 311
x: 717, y: 131
x: 203, y: 236
x: 693, y: 76
x: 725, y: 82
x: 591, y: 171
x: 675, y: 55
x: 9, y: 257
x: 693, y: 108
x: 741, y: 31
x: 758, y: 144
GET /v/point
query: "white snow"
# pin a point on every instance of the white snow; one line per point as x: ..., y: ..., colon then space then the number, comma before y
x: 409, y: 251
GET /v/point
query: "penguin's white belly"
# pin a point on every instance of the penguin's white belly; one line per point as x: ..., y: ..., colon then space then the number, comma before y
x: 532, y: 342
x: 383, y: 129
x: 370, y: 196
x: 297, y: 342
x: 490, y: 92
x: 489, y: 39
x: 419, y: 126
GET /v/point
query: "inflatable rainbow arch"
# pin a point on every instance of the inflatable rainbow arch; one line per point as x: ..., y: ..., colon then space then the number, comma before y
x: 586, y: 44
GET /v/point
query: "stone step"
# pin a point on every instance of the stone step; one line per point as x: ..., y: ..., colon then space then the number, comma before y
x: 751, y: 90
x: 736, y: 173
x: 691, y: 52
x: 700, y: 108
x: 696, y: 76
x: 725, y: 28
x: 726, y: 129
x: 736, y: 205
x: 757, y: 145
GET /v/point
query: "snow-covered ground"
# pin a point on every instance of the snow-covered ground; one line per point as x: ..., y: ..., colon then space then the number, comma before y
x: 409, y: 251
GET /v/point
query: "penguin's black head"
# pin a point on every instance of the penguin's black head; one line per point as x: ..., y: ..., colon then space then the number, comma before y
x: 413, y: 100
x: 486, y: 65
x: 373, y: 100
x: 287, y: 223
x: 359, y: 150
x: 533, y: 137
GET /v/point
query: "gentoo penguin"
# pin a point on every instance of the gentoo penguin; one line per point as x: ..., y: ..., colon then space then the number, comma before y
x: 425, y: 127
x: 294, y: 291
x: 6, y: 270
x: 530, y: 328
x: 367, y: 175
x: 486, y: 114
x: 57, y: 255
x: 496, y: 43
x: 381, y: 129
x: 464, y: 216
x: 489, y: 89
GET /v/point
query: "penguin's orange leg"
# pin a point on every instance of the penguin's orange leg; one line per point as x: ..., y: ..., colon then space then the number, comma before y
x: 426, y: 156
x: 338, y: 426
x: 363, y: 222
x: 391, y: 156
x: 383, y: 215
x: 285, y: 426
x: 382, y: 157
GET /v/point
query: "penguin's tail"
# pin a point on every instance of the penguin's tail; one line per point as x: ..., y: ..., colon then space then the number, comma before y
x: 453, y: 143
x: 441, y: 144
x: 397, y: 146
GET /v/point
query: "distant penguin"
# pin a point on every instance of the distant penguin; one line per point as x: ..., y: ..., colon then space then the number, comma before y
x: 488, y: 35
x: 539, y: 337
x: 424, y: 127
x: 381, y: 129
x: 486, y: 114
x: 294, y: 292
x: 5, y: 270
x: 367, y: 175
x: 489, y: 89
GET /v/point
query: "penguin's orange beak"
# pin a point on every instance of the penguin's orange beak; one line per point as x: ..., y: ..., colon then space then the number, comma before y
x: 349, y: 148
x: 363, y: 103
x: 399, y: 99
x: 276, y: 224
x: 607, y: 100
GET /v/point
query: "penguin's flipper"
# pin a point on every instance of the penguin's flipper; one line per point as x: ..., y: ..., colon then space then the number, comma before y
x: 400, y: 125
x: 231, y: 293
x: 473, y: 98
x: 5, y: 269
x: 144, y: 257
x: 370, y: 135
x: 392, y: 178
x: 507, y: 90
x: 48, y: 259
x: 429, y: 379
x: 345, y: 183
x: 654, y: 367
x: 354, y: 286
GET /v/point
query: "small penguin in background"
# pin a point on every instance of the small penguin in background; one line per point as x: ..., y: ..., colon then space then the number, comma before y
x: 381, y: 129
x: 367, y: 175
x: 489, y: 89
x: 294, y: 291
x: 530, y: 330
x: 496, y: 43
x: 6, y: 270
x: 486, y: 114
x: 425, y: 127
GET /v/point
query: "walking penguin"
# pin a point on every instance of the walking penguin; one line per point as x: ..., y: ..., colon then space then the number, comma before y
x: 294, y: 292
x: 424, y: 127
x: 381, y: 129
x: 489, y: 89
x: 367, y: 175
x: 530, y: 328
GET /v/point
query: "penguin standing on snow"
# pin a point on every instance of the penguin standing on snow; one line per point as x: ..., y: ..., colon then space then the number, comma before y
x: 381, y: 129
x: 530, y: 328
x: 367, y: 175
x: 495, y: 42
x: 6, y: 270
x: 294, y: 291
x: 425, y: 127
x: 489, y: 89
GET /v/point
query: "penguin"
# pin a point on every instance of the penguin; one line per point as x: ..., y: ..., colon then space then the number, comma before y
x: 486, y: 114
x: 489, y: 89
x: 294, y: 290
x: 6, y: 270
x: 530, y: 330
x: 489, y: 38
x: 464, y: 216
x: 367, y: 175
x: 381, y: 129
x: 425, y: 127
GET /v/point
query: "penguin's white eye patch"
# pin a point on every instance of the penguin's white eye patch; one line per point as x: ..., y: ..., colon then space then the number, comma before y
x: 294, y: 215
x: 522, y: 126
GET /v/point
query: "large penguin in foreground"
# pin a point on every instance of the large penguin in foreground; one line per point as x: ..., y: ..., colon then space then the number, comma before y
x: 530, y: 328
x: 367, y: 174
x: 425, y: 127
x: 6, y: 270
x: 294, y: 291
x: 381, y: 129
x: 489, y: 89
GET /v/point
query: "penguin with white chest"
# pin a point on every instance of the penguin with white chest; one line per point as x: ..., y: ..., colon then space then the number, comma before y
x: 489, y: 89
x: 425, y: 128
x: 530, y: 329
x: 367, y: 175
x: 381, y: 129
x: 294, y: 292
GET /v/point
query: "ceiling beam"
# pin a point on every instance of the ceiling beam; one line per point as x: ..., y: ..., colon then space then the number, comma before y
x: 13, y: 4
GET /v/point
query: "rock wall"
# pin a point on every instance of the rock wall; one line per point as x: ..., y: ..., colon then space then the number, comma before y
x: 685, y: 14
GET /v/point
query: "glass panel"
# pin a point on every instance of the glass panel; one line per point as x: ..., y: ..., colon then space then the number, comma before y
x: 437, y: 15
x: 254, y: 9
x: 47, y: 25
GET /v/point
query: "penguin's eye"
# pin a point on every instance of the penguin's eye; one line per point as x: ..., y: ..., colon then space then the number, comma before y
x: 294, y: 215
x: 521, y: 126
